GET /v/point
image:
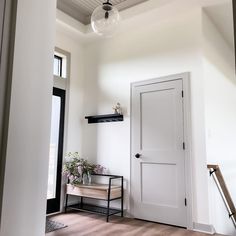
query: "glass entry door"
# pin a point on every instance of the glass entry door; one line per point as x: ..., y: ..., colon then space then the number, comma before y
x: 56, y: 151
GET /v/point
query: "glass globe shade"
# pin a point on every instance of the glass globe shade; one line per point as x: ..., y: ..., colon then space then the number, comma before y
x: 105, y: 22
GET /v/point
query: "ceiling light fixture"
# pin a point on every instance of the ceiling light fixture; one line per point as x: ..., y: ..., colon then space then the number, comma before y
x: 105, y: 19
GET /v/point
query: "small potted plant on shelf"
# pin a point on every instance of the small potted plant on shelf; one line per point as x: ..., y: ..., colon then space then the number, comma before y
x: 79, y: 170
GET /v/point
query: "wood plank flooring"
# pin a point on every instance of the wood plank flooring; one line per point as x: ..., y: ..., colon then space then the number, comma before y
x: 85, y: 224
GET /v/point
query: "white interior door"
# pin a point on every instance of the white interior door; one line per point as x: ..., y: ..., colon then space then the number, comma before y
x: 158, y: 161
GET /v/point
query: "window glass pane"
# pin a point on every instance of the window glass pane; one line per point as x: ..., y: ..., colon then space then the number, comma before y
x: 53, y: 155
x: 57, y: 70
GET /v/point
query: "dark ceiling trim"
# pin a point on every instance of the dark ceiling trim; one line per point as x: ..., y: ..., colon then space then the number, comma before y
x: 234, y: 16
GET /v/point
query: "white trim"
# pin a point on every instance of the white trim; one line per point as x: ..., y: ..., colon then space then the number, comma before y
x: 59, y: 82
x: 203, y: 228
x: 188, y: 148
x: 54, y: 213
x: 187, y: 135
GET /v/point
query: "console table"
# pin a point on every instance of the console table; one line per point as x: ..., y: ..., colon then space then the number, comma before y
x: 106, y: 192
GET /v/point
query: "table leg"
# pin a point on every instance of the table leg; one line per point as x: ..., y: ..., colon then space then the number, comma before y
x: 66, y: 203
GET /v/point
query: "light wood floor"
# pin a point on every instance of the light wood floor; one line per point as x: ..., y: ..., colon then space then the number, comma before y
x: 85, y: 224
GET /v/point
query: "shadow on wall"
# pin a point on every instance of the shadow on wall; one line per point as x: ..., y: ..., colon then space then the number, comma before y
x: 220, y: 103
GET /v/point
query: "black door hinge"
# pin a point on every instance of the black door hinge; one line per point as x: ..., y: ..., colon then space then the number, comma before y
x: 182, y: 93
x: 184, y: 145
x: 185, y: 201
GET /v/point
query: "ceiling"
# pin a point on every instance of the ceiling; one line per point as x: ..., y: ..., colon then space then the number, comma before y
x: 222, y: 17
x: 220, y: 11
x: 81, y: 10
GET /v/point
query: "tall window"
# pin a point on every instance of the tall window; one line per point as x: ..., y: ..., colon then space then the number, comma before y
x: 57, y: 66
x: 60, y: 65
x: 60, y: 79
x: 56, y: 140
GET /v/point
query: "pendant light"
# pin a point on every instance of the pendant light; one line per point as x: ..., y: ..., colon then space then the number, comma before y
x: 105, y: 19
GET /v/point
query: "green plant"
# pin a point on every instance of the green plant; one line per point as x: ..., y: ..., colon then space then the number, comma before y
x: 75, y: 168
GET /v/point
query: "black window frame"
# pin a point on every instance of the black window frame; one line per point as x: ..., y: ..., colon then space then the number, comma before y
x: 53, y: 205
x: 60, y: 59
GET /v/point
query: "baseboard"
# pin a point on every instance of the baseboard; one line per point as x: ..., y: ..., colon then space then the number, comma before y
x: 203, y: 228
x: 54, y: 213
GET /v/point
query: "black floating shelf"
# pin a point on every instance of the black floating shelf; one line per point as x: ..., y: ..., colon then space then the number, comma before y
x: 104, y: 118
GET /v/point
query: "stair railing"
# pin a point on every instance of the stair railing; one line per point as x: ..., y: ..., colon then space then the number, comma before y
x: 216, y: 173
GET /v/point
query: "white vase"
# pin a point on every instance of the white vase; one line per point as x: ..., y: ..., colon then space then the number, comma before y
x: 85, y: 179
x: 89, y: 178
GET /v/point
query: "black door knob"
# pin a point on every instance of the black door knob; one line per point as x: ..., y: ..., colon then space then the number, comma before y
x: 137, y: 155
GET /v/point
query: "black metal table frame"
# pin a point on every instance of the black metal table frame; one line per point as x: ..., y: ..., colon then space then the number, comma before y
x: 101, y: 210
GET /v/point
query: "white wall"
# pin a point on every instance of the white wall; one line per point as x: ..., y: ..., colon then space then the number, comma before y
x: 74, y: 95
x: 100, y: 77
x: 168, y: 40
x: 25, y: 187
x: 220, y: 112
x: 146, y: 47
x: 75, y: 90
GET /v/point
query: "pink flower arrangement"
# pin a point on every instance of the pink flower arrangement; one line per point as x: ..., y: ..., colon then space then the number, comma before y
x: 75, y: 168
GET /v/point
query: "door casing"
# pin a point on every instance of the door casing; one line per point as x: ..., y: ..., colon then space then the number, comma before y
x: 187, y: 134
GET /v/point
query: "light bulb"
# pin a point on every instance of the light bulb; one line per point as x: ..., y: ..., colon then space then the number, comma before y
x: 105, y: 20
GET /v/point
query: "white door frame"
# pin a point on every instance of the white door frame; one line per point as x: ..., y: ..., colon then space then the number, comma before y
x: 187, y: 134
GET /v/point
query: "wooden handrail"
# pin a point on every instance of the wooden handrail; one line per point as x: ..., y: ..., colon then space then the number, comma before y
x: 215, y: 169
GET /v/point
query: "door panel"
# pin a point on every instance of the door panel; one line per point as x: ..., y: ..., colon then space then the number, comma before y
x: 158, y: 172
x: 158, y: 176
x: 157, y: 135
